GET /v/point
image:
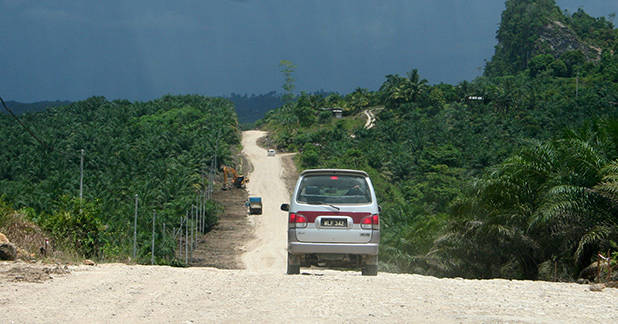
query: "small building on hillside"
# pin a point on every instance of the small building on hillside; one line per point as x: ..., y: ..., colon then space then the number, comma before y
x: 475, y: 99
x: 336, y: 111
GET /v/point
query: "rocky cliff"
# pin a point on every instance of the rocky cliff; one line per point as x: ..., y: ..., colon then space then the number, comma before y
x: 556, y: 38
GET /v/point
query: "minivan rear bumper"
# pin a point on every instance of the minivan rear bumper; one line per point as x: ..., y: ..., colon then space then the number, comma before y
x: 333, y: 248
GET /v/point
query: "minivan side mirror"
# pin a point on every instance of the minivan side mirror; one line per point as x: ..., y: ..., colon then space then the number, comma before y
x: 285, y: 207
x: 379, y: 208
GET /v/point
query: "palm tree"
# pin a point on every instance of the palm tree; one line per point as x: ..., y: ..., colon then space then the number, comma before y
x: 491, y: 227
x: 398, y: 90
x: 584, y: 217
x: 416, y: 84
x: 554, y: 201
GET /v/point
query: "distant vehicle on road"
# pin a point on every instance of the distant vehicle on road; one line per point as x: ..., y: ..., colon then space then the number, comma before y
x: 255, y: 205
x: 271, y: 152
x: 333, y: 218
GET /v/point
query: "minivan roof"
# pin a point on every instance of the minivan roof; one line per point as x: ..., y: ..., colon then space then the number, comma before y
x: 334, y: 171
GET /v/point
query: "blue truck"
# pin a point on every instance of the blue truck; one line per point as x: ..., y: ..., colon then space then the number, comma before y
x: 255, y: 205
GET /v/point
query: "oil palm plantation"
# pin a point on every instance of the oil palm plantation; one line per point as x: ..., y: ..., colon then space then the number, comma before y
x: 554, y: 201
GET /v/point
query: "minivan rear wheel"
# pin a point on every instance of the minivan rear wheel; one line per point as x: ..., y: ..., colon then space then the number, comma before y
x: 293, y: 268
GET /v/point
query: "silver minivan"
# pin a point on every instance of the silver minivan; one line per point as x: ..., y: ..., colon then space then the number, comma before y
x: 333, y: 220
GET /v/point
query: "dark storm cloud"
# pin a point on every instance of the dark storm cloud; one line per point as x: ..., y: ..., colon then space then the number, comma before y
x: 143, y: 49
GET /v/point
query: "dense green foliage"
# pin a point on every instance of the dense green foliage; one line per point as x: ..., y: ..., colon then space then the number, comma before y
x: 19, y: 108
x: 490, y: 187
x: 158, y: 150
x: 534, y: 32
x: 519, y: 30
x: 543, y: 212
x: 308, y: 118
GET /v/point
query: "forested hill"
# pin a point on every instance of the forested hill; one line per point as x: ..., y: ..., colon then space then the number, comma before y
x: 19, y: 108
x: 537, y: 35
x: 158, y: 150
x: 510, y: 175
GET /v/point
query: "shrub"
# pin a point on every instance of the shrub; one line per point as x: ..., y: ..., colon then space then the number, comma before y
x: 77, y: 225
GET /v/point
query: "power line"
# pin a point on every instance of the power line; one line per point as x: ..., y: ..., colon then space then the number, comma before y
x: 22, y: 124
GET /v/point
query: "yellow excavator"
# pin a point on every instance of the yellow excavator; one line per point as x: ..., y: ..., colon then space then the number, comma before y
x: 238, y: 180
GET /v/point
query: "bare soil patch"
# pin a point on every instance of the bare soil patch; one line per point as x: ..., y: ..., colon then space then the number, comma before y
x: 266, y: 143
x: 222, y: 246
x: 37, y: 261
x: 20, y: 271
x: 28, y: 238
x: 290, y: 173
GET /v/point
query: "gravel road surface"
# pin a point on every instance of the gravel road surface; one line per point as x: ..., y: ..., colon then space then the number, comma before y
x: 267, y: 252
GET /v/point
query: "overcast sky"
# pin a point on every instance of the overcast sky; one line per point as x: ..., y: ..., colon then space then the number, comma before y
x: 142, y: 49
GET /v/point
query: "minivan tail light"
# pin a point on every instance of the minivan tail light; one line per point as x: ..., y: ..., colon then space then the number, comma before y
x: 371, y: 222
x: 297, y: 220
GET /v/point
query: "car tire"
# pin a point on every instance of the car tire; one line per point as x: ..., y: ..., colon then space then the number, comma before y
x: 369, y: 270
x: 293, y: 268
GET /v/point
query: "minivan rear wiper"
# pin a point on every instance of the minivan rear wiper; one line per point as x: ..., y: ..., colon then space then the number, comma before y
x: 337, y: 208
x: 323, y: 203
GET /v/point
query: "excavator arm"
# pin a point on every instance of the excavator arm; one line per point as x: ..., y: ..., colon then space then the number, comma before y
x: 238, y: 180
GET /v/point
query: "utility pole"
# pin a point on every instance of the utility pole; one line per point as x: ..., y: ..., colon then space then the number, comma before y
x: 198, y: 201
x: 198, y: 213
x: 154, y: 216
x: 187, y: 237
x: 81, y: 177
x: 198, y: 198
x: 577, y: 86
x: 193, y: 234
x: 214, y: 170
x: 197, y: 222
x: 193, y: 214
x: 204, y: 211
x: 211, y: 179
x: 180, y: 239
x: 203, y: 201
x: 135, y: 229
x: 217, y: 147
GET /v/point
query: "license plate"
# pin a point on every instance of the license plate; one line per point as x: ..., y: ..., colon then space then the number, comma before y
x: 330, y: 222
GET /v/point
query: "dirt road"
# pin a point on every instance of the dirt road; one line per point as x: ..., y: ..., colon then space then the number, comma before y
x: 371, y: 119
x: 267, y: 252
x: 120, y: 293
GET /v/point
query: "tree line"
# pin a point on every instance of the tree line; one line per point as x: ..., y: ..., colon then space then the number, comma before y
x: 159, y: 150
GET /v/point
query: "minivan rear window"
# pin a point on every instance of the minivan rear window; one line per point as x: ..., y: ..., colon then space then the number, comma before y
x: 333, y: 189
